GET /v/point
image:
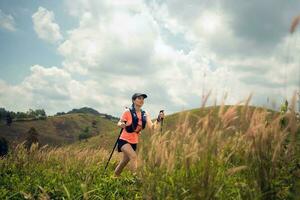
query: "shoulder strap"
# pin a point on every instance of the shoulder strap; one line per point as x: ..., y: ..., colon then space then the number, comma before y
x: 134, y: 118
x: 144, y: 118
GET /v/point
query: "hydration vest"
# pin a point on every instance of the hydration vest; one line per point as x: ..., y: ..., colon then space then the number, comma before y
x: 135, y: 120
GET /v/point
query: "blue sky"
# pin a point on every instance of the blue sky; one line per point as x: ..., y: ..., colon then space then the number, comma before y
x: 60, y: 55
x: 22, y: 48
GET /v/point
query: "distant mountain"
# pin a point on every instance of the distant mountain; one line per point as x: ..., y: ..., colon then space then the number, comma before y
x: 84, y: 110
x: 87, y: 110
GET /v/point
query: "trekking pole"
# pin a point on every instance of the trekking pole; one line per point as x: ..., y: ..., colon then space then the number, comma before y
x: 113, y: 149
x: 161, y: 124
x: 161, y: 121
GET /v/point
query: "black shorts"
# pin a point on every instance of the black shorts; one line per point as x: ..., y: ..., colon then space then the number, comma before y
x: 122, y: 142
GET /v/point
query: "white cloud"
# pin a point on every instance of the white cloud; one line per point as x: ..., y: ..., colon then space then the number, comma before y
x: 45, y: 25
x: 120, y: 47
x: 43, y: 88
x: 255, y: 64
x: 7, y: 21
x: 52, y: 89
x: 126, y: 37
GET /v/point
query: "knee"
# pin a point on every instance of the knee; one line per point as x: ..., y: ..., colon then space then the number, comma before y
x: 133, y: 157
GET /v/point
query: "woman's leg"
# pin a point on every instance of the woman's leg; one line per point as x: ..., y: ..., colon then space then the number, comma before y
x: 121, y: 165
x: 128, y: 151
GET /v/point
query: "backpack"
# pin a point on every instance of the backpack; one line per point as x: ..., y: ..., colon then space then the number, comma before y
x: 135, y: 120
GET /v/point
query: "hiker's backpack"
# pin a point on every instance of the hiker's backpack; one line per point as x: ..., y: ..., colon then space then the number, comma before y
x: 135, y: 120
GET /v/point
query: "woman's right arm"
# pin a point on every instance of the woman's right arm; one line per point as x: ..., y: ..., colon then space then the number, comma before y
x: 124, y: 119
x: 121, y: 124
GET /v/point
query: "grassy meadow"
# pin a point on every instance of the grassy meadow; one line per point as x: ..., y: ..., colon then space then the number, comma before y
x: 219, y: 152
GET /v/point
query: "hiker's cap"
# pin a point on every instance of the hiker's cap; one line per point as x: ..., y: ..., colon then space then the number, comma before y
x: 135, y: 95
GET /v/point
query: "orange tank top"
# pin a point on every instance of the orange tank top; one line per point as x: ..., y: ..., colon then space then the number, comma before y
x: 133, y: 137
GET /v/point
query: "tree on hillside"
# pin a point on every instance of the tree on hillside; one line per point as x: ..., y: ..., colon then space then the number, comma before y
x: 60, y: 113
x: 8, y: 116
x: 85, y: 134
x: 8, y: 119
x: 21, y: 115
x: 3, y: 114
x: 32, y: 137
x: 30, y: 113
x: 3, y: 146
x: 40, y: 114
x: 94, y: 123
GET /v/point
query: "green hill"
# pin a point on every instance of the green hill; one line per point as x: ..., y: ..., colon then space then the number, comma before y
x: 173, y: 120
x: 84, y: 110
x: 87, y: 110
x: 58, y: 130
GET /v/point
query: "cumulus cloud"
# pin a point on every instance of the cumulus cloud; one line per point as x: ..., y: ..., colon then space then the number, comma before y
x: 7, y: 21
x: 122, y: 50
x: 54, y: 90
x: 219, y: 58
x: 39, y: 89
x: 45, y: 25
x: 119, y: 40
x: 122, y: 47
x: 251, y: 43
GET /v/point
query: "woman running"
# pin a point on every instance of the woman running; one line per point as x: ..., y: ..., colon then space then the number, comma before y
x: 132, y: 121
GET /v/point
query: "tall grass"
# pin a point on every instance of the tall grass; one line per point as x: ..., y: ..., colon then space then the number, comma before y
x: 230, y: 152
x: 238, y: 154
